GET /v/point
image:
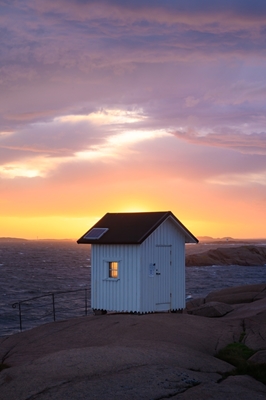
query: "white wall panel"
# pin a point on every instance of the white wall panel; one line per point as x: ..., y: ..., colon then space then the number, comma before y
x: 165, y: 235
x: 120, y: 294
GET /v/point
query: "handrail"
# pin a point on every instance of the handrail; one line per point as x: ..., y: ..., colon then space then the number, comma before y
x: 53, y: 303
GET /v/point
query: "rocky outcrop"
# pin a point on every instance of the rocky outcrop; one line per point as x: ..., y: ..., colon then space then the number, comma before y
x: 259, y: 357
x: 248, y: 255
x: 239, y: 294
x: 212, y: 309
x: 218, y: 303
x: 153, y: 356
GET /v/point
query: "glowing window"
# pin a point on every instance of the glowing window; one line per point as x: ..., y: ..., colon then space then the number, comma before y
x: 113, y: 269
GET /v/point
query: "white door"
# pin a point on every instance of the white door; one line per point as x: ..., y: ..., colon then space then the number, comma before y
x: 163, y: 278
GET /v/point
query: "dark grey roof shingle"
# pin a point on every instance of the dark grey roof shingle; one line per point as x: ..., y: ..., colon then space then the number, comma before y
x: 132, y: 228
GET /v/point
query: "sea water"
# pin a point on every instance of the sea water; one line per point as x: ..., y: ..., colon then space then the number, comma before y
x: 30, y: 269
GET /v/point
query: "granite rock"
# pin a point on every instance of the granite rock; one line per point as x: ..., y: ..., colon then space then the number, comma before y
x: 239, y: 294
x: 161, y: 355
x: 259, y: 357
x: 248, y: 255
x: 212, y: 309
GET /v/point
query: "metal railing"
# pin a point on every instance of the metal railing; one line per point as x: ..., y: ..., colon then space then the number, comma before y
x: 52, y: 307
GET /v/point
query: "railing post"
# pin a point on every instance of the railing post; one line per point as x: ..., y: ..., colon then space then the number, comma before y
x: 86, y: 303
x: 53, y: 306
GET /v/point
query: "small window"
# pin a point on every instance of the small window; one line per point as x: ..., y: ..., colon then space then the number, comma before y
x: 113, y: 269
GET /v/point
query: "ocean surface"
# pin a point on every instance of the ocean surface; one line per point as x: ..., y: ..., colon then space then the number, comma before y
x: 35, y: 269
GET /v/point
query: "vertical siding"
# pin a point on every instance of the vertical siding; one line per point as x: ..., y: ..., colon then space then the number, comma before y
x: 122, y: 294
x: 134, y: 290
x: 165, y: 235
x: 148, y: 284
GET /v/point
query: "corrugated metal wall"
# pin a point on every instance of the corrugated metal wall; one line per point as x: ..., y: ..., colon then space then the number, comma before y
x: 166, y: 235
x: 138, y: 287
x: 122, y: 294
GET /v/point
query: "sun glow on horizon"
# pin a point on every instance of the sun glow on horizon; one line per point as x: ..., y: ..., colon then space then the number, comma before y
x: 59, y: 227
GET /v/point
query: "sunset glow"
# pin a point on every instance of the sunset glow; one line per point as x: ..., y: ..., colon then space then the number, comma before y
x: 132, y: 106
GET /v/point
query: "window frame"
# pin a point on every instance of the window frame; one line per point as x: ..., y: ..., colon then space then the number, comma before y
x: 113, y: 270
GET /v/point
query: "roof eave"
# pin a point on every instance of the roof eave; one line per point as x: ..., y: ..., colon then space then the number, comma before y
x: 102, y: 243
x: 189, y: 237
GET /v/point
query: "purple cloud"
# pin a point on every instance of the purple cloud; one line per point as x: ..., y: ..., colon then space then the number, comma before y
x: 255, y: 143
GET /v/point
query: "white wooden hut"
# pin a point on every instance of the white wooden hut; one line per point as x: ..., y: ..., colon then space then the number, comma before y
x: 138, y: 262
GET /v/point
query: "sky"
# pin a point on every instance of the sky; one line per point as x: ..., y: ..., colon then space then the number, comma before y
x: 132, y: 105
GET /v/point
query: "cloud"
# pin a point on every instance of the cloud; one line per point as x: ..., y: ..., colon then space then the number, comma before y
x: 108, y: 34
x: 66, y: 134
x: 163, y: 101
x: 190, y: 12
x: 104, y: 134
x: 71, y: 53
x: 106, y: 117
x: 254, y: 143
x: 240, y: 179
x: 30, y: 116
x: 190, y: 101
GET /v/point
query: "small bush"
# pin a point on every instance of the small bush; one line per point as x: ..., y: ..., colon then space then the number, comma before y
x: 235, y: 354
x: 238, y: 354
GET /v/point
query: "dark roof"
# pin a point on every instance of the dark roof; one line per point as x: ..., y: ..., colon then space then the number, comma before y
x: 132, y: 228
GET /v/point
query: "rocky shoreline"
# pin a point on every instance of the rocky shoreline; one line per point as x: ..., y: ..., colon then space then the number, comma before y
x: 246, y: 255
x: 152, y: 356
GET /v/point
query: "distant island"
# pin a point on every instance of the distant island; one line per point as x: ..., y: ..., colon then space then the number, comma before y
x: 246, y: 255
x: 211, y: 239
x: 11, y: 239
x: 228, y: 239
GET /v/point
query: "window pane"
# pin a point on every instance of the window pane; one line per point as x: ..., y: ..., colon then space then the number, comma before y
x: 113, y: 269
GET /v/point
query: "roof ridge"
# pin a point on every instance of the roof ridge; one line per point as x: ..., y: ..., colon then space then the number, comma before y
x: 157, y: 223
